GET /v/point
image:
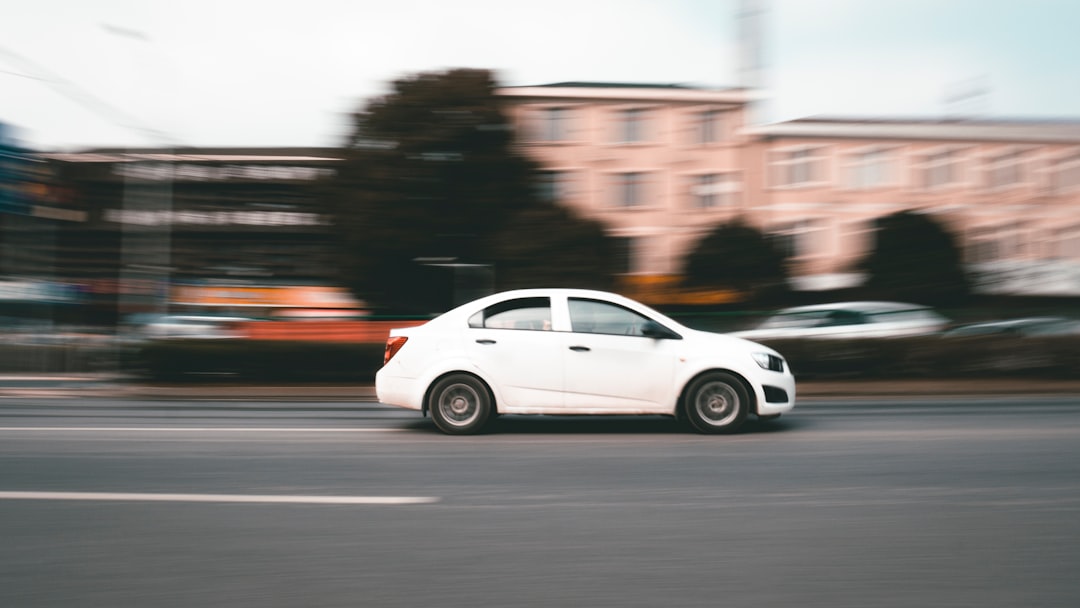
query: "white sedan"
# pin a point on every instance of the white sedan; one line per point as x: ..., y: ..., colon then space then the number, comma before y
x: 572, y: 351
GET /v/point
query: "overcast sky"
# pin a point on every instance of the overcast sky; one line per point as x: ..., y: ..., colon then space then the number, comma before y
x: 84, y: 73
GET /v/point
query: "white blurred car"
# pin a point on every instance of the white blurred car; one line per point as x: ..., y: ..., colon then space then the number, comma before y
x: 191, y: 327
x: 569, y: 351
x: 1022, y: 327
x: 849, y: 320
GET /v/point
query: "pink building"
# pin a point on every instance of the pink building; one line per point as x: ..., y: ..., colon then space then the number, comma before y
x: 662, y: 165
x: 658, y: 165
x: 1009, y: 191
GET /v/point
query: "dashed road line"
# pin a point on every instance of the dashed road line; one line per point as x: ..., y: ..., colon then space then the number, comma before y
x: 193, y: 429
x: 221, y: 498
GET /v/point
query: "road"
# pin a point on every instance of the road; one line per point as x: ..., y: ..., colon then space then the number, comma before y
x: 924, y: 502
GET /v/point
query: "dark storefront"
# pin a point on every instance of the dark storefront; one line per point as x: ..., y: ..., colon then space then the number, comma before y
x: 154, y: 218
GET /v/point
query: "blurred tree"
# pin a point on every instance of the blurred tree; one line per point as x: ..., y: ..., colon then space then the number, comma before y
x: 550, y: 246
x: 430, y: 174
x: 737, y: 256
x: 915, y: 259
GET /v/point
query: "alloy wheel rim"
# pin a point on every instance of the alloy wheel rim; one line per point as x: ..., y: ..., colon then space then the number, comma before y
x: 717, y: 403
x: 459, y: 404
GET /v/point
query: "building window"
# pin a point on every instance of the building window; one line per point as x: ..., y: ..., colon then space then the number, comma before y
x: 631, y: 127
x: 799, y: 239
x: 710, y: 127
x: 553, y: 186
x: 984, y: 245
x: 1066, y: 243
x: 871, y: 169
x: 1066, y: 174
x: 629, y: 189
x: 554, y: 124
x: 798, y: 167
x: 996, y: 243
x: 714, y: 190
x: 1005, y: 170
x: 940, y: 169
x: 639, y: 255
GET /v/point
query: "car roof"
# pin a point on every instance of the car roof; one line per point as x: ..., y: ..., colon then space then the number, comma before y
x: 554, y: 292
x: 863, y: 306
x: 569, y: 292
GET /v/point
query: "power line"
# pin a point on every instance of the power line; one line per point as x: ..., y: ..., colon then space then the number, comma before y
x: 84, y: 98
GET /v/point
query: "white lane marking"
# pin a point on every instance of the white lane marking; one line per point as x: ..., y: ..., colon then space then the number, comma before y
x: 222, y: 498
x: 195, y: 429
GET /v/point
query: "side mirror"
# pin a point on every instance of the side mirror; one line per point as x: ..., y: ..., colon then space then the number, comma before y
x: 652, y: 329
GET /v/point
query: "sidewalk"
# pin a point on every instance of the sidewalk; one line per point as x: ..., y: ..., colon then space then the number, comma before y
x: 119, y: 387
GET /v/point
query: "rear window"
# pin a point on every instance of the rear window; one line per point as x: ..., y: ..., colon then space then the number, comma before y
x: 521, y: 313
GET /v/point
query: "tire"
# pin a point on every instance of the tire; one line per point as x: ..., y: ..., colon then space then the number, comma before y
x: 716, y: 402
x: 459, y: 404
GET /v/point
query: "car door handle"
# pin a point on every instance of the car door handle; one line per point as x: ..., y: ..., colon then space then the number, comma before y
x: 485, y: 341
x: 580, y: 349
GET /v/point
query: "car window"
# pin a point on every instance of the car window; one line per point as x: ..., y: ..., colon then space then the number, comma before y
x: 596, y: 317
x: 911, y: 315
x: 789, y: 320
x: 843, y: 317
x: 520, y: 313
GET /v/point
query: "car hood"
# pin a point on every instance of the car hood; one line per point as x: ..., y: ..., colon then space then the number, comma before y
x: 729, y: 342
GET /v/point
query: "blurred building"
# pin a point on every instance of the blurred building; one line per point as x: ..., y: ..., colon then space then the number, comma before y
x: 662, y: 165
x: 34, y: 209
x: 128, y: 231
x: 1008, y: 190
x: 156, y: 218
x: 658, y: 165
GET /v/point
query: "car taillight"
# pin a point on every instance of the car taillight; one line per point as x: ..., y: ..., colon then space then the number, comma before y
x: 393, y: 345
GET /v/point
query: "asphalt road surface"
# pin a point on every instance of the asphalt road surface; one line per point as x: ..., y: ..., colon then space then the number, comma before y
x: 965, y: 502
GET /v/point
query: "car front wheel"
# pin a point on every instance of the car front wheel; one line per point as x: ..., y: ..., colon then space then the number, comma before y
x: 717, y: 402
x: 459, y: 404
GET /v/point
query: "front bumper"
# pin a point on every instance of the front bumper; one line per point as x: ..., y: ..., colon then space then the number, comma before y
x: 775, y: 393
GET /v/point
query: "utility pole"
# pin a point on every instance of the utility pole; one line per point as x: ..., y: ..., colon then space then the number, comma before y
x: 751, y: 66
x: 146, y: 249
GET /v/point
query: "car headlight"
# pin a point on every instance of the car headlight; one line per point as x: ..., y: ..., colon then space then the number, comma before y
x: 769, y: 361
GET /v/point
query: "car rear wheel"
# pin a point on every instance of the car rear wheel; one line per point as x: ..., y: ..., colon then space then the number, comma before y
x: 459, y: 404
x: 717, y: 402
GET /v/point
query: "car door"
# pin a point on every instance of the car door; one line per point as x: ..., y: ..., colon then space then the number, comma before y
x: 512, y: 344
x: 611, y: 365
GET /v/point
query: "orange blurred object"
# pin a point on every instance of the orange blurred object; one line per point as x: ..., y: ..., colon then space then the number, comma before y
x: 329, y: 330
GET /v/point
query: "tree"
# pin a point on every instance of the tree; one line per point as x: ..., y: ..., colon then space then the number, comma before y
x: 550, y: 246
x: 430, y: 174
x: 915, y: 259
x: 737, y: 255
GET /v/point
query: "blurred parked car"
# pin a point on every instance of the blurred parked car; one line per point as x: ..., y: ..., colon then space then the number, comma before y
x: 1025, y: 326
x: 849, y: 320
x: 572, y: 351
x: 191, y: 327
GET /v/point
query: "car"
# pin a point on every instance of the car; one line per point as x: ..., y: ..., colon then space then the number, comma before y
x: 1022, y: 327
x: 577, y: 351
x: 191, y: 327
x: 866, y: 319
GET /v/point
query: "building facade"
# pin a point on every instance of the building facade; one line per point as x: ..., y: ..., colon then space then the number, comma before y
x: 1008, y: 190
x: 658, y: 166
x: 661, y: 166
x: 155, y: 219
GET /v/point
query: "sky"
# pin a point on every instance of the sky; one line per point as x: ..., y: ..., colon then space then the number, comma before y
x: 77, y: 74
